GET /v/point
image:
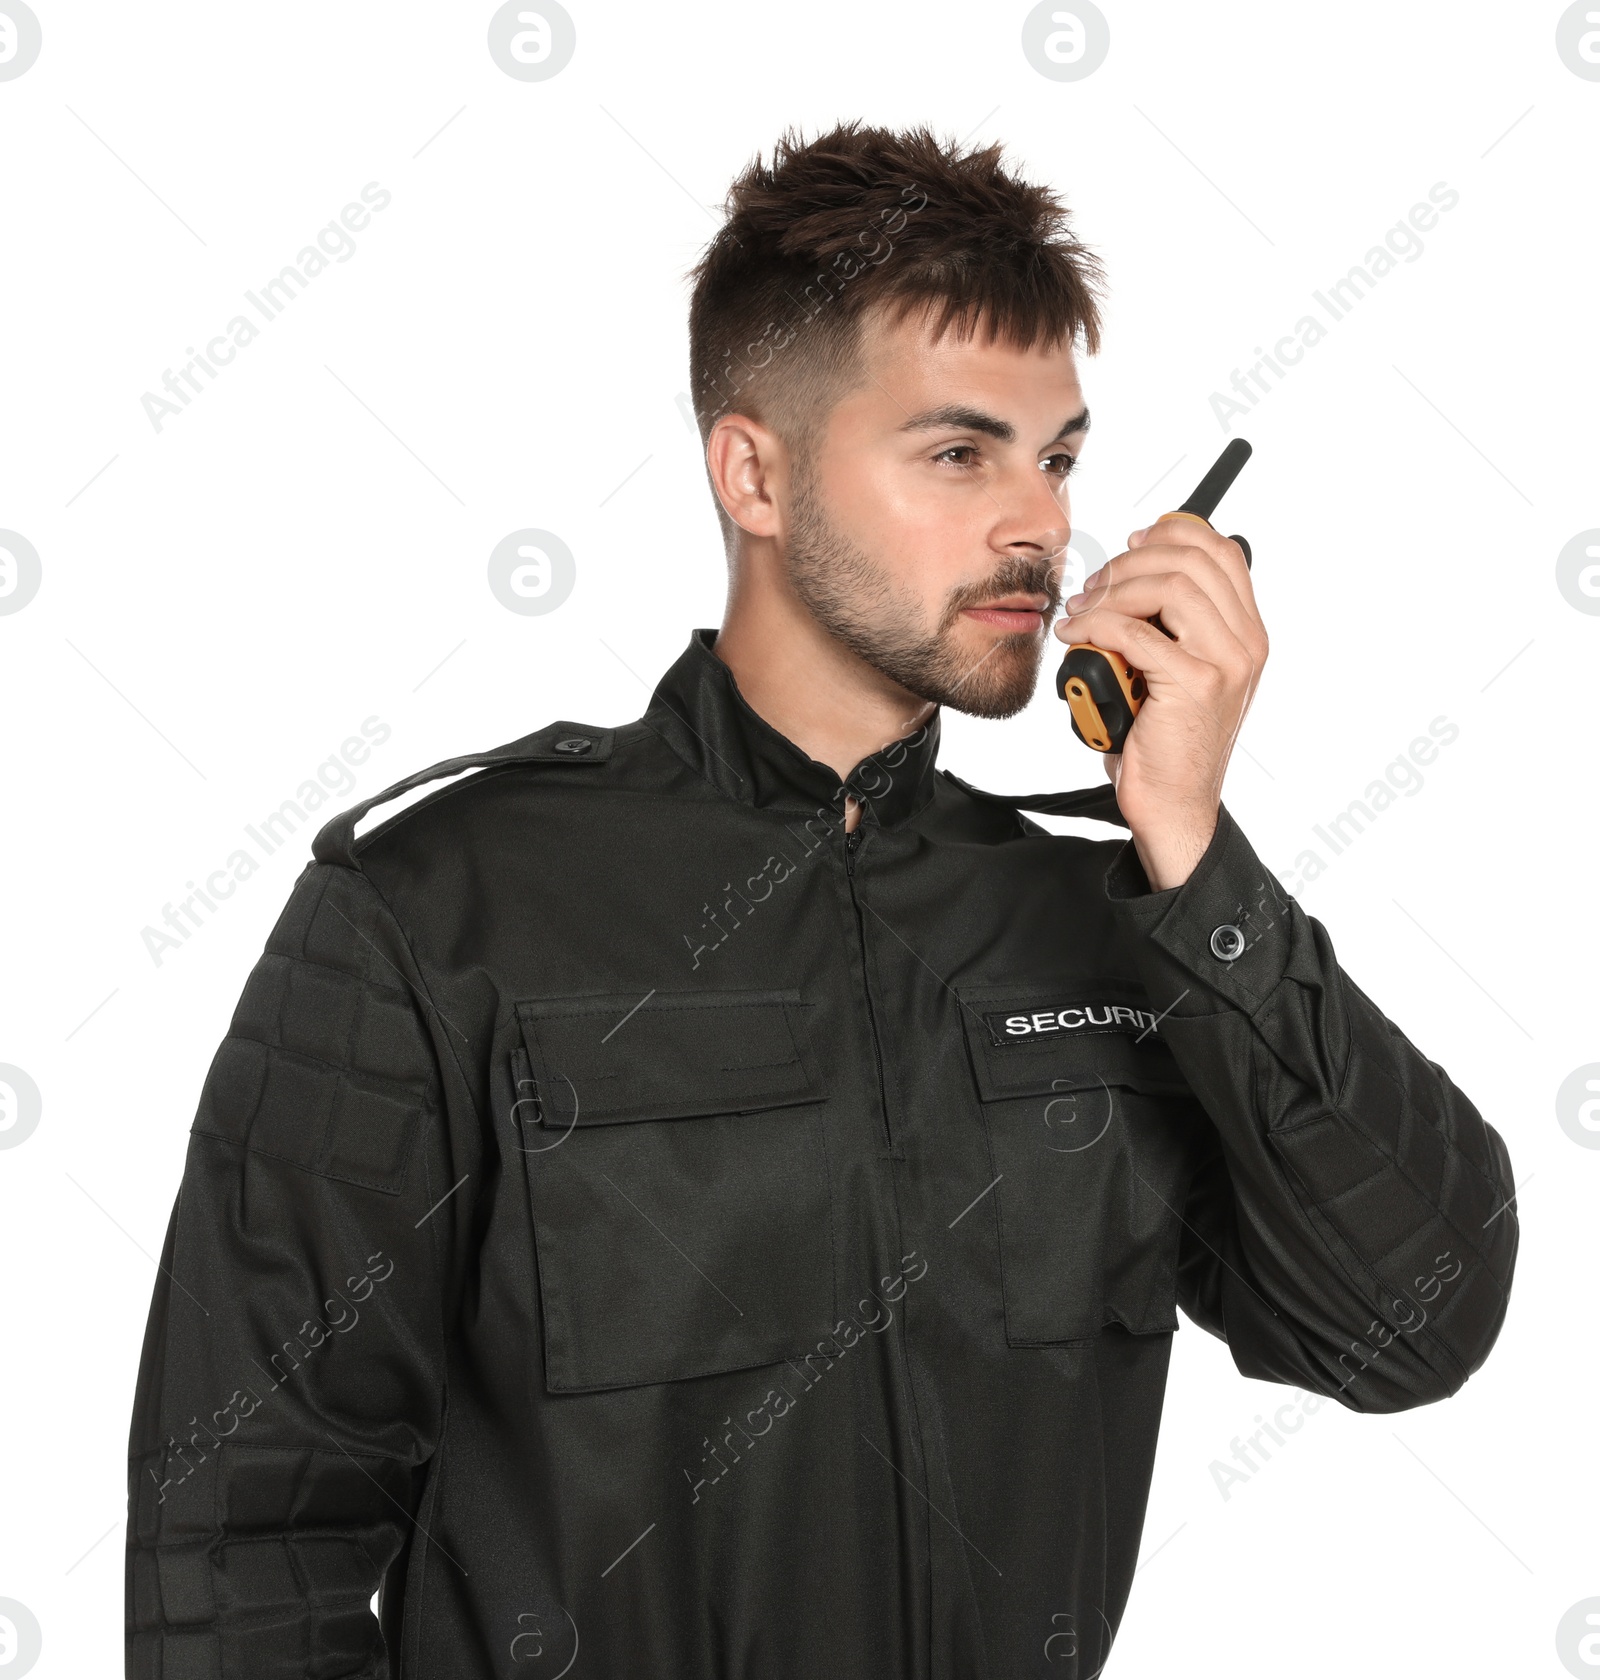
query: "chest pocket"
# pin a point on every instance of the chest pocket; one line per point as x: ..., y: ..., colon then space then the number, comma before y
x: 1094, y: 1133
x: 678, y: 1182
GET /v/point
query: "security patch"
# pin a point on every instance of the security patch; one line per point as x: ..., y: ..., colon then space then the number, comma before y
x: 1023, y: 1026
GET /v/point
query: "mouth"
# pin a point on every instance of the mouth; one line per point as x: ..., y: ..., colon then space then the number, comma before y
x: 1017, y: 614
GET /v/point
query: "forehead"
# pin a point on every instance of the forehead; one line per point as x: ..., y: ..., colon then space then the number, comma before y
x: 908, y: 368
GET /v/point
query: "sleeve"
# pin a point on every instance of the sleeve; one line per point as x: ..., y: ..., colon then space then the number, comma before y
x: 292, y: 1383
x: 1350, y: 1226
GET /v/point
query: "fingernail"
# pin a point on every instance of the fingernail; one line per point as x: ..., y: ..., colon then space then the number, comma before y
x: 1076, y: 603
x: 1092, y: 581
x: 1136, y: 536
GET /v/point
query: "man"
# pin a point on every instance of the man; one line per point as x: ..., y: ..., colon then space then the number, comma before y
x: 712, y: 1197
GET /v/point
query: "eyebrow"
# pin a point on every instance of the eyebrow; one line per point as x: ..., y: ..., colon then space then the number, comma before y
x: 959, y: 417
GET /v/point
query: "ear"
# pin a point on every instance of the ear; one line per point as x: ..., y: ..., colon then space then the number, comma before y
x: 749, y: 468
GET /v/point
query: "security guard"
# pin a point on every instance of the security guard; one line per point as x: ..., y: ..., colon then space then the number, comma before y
x: 713, y: 1196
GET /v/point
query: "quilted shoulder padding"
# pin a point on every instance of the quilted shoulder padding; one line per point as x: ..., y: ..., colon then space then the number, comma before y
x: 327, y: 1063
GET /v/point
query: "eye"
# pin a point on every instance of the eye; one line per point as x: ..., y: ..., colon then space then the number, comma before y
x: 968, y: 449
x: 1069, y: 464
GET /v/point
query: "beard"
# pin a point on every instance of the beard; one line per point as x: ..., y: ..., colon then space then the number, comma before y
x: 858, y: 604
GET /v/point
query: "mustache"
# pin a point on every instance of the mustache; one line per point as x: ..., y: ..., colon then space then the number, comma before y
x: 1015, y: 575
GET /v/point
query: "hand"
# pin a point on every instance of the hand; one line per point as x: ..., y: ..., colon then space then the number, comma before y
x: 1200, y: 680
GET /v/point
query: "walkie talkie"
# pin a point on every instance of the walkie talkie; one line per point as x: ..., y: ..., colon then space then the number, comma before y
x: 1103, y: 691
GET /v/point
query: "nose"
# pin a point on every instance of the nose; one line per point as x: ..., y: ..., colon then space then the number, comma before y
x: 1035, y: 521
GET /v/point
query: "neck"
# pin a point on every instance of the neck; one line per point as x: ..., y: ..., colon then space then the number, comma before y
x: 811, y: 688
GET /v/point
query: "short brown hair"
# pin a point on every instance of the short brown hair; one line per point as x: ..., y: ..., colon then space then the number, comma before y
x: 862, y: 216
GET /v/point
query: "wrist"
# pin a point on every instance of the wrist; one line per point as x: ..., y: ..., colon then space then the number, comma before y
x: 1170, y: 849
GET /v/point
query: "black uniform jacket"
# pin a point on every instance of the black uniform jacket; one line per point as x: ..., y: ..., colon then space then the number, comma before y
x: 651, y: 1233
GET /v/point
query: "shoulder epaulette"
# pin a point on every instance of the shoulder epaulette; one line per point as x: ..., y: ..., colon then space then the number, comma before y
x: 1099, y: 803
x: 558, y: 743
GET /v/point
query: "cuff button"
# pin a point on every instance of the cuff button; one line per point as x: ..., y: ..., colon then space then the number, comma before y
x: 1227, y: 943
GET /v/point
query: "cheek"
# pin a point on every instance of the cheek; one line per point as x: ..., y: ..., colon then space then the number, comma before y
x: 920, y: 539
x: 926, y: 559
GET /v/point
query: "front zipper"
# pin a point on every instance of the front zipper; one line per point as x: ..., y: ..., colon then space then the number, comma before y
x: 852, y: 844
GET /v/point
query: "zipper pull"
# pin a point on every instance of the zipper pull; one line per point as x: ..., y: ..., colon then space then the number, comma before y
x: 851, y: 842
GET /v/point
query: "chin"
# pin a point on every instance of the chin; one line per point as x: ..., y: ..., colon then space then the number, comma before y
x: 992, y: 706
x: 995, y: 681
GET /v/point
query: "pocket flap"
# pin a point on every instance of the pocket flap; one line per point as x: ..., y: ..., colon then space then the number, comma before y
x: 608, y: 1058
x: 1031, y: 1039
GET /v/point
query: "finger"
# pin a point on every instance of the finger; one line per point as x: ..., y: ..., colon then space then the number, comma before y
x: 1165, y: 664
x: 1224, y: 550
x: 1172, y: 676
x: 1197, y: 564
x: 1187, y: 612
x: 1222, y: 553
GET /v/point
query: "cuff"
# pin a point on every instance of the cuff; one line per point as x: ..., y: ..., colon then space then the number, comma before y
x: 1222, y: 939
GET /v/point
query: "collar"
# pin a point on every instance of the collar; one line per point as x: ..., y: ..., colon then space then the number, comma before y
x: 698, y: 710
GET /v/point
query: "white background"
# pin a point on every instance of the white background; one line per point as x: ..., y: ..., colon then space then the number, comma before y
x: 303, y: 547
